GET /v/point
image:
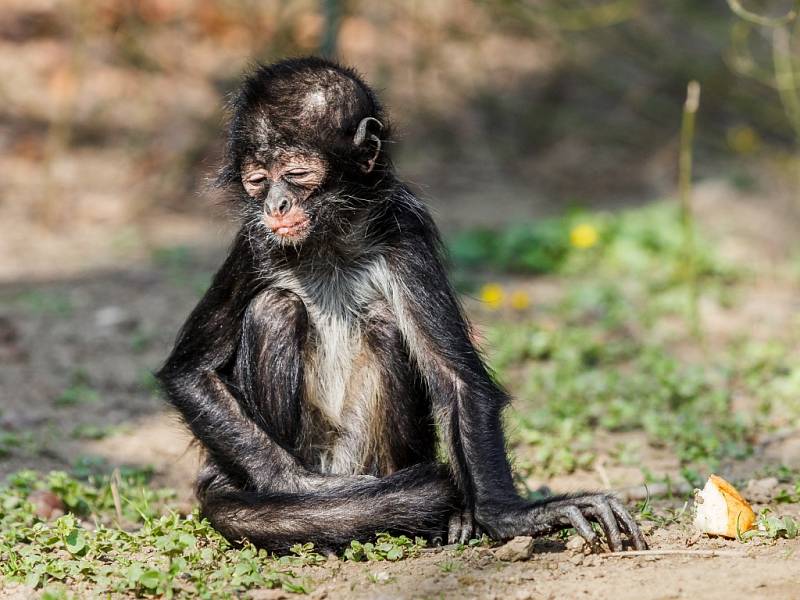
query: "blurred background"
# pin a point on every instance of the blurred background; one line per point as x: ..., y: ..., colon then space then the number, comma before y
x: 627, y: 318
x: 112, y: 110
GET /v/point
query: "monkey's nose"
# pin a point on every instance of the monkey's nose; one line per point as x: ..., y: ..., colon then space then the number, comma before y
x: 280, y: 207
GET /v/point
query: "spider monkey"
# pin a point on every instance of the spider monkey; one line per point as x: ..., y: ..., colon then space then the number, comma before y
x: 329, y: 366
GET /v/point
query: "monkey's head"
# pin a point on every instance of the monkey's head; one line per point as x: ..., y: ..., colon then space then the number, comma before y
x: 304, y: 147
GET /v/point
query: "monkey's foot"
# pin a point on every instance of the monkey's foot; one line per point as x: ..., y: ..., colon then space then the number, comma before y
x: 462, y: 528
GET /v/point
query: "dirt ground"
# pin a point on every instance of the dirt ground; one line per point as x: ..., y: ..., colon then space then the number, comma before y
x: 76, y: 356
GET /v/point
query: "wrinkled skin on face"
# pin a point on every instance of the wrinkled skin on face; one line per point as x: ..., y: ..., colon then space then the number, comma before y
x: 304, y: 151
x: 283, y: 187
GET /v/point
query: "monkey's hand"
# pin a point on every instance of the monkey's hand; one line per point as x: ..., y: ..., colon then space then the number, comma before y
x: 560, y: 512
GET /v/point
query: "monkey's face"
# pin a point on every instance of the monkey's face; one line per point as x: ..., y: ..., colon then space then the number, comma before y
x: 286, y: 189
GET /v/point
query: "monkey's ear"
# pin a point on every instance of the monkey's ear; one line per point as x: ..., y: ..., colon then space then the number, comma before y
x: 363, y: 138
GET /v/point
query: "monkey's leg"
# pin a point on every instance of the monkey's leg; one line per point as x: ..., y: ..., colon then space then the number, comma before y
x: 413, y: 501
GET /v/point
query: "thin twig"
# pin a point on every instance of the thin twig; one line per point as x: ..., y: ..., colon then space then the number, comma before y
x: 685, y: 193
x: 633, y: 553
x: 784, y: 76
x: 115, y: 481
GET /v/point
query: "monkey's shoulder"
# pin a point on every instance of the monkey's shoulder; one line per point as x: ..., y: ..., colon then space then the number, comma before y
x: 406, y: 224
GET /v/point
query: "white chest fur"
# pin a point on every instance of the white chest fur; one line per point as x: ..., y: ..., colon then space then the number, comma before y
x: 335, y: 300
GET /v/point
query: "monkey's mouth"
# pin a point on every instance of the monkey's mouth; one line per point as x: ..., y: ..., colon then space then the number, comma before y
x: 289, y: 228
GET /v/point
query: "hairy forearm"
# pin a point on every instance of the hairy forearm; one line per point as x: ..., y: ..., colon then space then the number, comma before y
x: 215, y: 418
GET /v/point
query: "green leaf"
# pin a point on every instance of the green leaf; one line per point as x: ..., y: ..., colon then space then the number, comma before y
x: 395, y: 553
x: 75, y: 542
x: 150, y: 579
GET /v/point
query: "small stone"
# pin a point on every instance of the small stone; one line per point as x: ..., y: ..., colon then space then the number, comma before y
x: 761, y: 491
x: 577, y: 559
x: 693, y: 539
x: 576, y: 544
x: 519, y: 548
x: 113, y: 317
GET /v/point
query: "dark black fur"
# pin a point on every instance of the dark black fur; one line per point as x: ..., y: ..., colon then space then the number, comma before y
x: 239, y: 373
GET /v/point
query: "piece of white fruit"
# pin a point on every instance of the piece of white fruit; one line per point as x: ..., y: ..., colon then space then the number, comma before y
x: 721, y: 510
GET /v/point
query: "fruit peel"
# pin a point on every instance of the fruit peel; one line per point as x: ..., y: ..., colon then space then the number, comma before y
x: 721, y: 510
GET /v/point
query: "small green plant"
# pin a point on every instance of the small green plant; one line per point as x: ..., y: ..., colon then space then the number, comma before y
x: 53, y: 303
x: 385, y: 547
x: 11, y: 441
x: 789, y: 496
x: 772, y: 527
x: 380, y: 577
x: 79, y: 391
x: 450, y: 566
x: 88, y: 431
x: 646, y: 512
x: 540, y: 247
x: 301, y: 555
x: 141, y: 339
x: 159, y: 553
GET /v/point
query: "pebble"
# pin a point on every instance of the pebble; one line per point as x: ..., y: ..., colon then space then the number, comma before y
x: 113, y: 317
x: 519, y: 548
x: 761, y: 491
x: 576, y: 544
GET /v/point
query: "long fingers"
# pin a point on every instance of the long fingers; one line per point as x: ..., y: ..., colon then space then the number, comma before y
x: 608, y: 521
x: 466, y: 527
x: 576, y: 519
x: 614, y: 518
x: 461, y: 528
x: 454, y: 528
x: 628, y: 523
x: 604, y: 509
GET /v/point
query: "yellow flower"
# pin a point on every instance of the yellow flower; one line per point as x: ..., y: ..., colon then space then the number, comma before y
x: 743, y: 139
x: 583, y: 236
x: 520, y: 300
x: 492, y: 295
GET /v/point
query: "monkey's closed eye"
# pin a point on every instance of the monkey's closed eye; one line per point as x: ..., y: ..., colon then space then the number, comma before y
x: 256, y: 178
x: 297, y: 173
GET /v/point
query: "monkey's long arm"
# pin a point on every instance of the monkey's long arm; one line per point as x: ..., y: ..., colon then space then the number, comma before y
x: 206, y: 344
x: 468, y: 405
x: 467, y: 402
